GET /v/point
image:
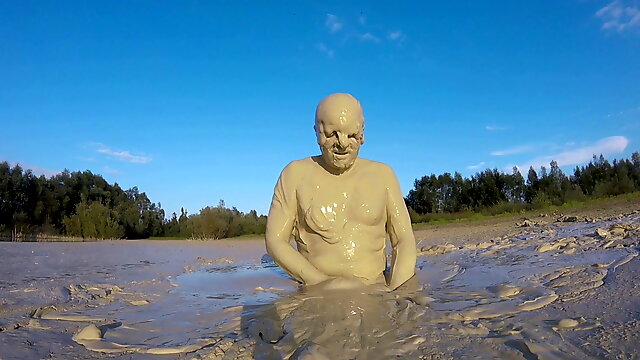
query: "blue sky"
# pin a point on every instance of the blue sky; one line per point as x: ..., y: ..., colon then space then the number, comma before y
x: 197, y: 101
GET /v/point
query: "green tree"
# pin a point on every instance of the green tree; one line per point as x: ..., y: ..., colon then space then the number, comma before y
x: 93, y: 221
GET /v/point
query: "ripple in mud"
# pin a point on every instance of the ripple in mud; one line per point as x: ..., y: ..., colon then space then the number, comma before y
x: 480, y: 301
x: 485, y: 300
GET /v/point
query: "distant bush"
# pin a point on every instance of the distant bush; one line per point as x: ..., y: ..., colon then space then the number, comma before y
x: 504, y: 208
x: 216, y: 223
x: 93, y: 221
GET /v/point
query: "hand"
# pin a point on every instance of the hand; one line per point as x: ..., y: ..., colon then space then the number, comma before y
x: 318, y: 278
x: 380, y: 288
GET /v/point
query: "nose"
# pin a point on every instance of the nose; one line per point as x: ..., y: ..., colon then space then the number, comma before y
x: 343, y: 142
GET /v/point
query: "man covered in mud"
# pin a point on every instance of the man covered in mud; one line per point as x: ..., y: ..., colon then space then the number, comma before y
x: 340, y: 208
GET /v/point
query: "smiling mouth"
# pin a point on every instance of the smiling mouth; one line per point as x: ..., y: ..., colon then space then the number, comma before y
x: 341, y: 153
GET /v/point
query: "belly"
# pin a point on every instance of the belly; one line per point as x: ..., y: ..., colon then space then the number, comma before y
x: 358, y: 254
x: 369, y: 270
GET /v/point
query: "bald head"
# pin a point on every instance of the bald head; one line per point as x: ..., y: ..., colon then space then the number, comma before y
x: 339, y: 130
x: 339, y: 107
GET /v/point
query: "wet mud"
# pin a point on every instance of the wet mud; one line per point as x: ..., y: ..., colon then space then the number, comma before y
x: 562, y: 290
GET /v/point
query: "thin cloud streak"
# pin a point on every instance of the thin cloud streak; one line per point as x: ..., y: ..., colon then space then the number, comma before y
x: 619, y: 17
x: 36, y: 170
x: 325, y: 50
x: 333, y: 23
x: 369, y: 37
x: 512, y: 151
x: 110, y: 170
x: 476, y: 166
x: 494, y: 128
x: 395, y: 35
x: 607, y: 146
x: 124, y: 155
x: 623, y: 112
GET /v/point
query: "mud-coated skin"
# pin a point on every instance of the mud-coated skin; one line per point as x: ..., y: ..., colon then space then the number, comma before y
x: 339, y: 208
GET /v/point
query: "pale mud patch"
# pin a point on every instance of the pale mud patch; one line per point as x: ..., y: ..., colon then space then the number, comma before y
x: 195, y: 312
x: 51, y: 291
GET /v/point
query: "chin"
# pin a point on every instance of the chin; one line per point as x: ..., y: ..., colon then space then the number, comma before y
x: 336, y: 164
x: 342, y: 165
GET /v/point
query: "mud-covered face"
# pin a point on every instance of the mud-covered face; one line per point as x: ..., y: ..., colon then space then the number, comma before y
x: 340, y: 134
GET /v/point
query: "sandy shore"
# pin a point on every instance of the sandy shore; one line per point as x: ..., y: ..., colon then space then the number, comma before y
x: 554, y: 286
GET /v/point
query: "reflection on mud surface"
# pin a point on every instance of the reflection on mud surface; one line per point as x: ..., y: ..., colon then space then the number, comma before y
x: 484, y: 300
x: 477, y: 301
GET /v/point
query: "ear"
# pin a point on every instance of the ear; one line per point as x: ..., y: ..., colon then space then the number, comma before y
x: 318, y: 130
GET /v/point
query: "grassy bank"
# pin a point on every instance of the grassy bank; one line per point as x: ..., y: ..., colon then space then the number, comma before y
x: 512, y: 210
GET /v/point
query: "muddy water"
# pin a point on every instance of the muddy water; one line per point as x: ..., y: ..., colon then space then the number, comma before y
x: 480, y: 301
x: 485, y: 300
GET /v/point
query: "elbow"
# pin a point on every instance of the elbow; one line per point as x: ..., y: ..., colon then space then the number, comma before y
x: 406, y: 244
x: 270, y: 250
x: 272, y: 246
x: 269, y: 245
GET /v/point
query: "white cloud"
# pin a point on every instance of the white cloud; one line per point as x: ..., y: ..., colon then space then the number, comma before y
x: 325, y: 50
x: 623, y: 112
x: 125, y: 156
x: 619, y: 16
x: 36, y: 170
x: 473, y: 167
x: 333, y: 23
x: 494, y: 128
x: 395, y: 35
x: 42, y: 171
x: 607, y: 146
x: 369, y: 37
x: 513, y: 150
x: 110, y: 170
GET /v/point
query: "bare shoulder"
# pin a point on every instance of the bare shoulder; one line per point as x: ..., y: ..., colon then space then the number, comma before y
x: 377, y: 168
x: 297, y: 167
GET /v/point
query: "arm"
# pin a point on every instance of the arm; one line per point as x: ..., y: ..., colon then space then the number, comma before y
x: 282, y: 216
x: 403, y: 243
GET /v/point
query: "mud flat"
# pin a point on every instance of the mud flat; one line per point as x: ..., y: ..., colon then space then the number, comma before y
x: 558, y: 286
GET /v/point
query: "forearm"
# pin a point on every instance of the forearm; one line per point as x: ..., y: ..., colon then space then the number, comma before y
x: 403, y: 262
x: 293, y: 262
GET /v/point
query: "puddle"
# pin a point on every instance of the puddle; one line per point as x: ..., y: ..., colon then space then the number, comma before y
x: 246, y: 284
x: 478, y: 301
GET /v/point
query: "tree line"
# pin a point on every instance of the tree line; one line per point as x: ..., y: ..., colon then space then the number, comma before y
x: 83, y: 204
x: 494, y: 191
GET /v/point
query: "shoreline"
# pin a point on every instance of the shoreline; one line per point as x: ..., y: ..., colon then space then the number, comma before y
x: 491, y: 226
